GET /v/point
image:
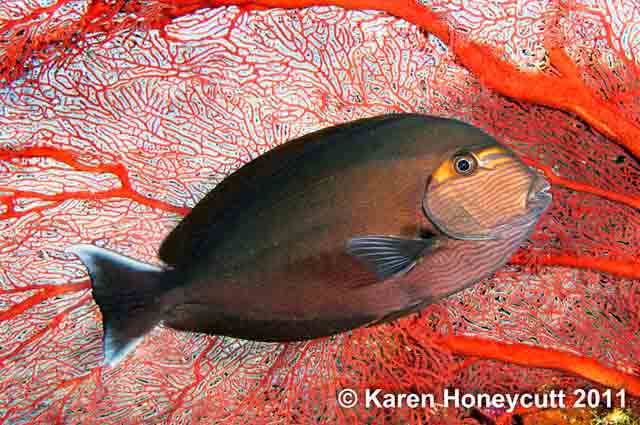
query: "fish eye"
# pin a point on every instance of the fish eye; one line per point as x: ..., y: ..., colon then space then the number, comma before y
x: 464, y: 164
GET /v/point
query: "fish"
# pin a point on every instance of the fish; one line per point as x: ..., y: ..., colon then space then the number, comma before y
x: 350, y: 226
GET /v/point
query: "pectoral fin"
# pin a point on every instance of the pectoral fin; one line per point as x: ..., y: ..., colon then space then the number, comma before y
x: 388, y: 256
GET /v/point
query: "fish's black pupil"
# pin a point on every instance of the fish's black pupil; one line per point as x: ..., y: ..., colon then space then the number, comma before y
x: 464, y: 165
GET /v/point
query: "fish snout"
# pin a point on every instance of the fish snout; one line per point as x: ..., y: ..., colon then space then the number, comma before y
x: 539, y: 196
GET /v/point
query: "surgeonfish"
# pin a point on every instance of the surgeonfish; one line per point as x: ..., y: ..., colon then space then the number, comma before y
x: 346, y: 227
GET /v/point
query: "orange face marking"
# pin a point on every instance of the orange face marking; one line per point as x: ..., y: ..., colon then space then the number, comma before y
x: 444, y: 172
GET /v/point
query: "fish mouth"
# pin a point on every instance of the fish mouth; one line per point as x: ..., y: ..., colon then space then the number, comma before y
x: 539, y: 198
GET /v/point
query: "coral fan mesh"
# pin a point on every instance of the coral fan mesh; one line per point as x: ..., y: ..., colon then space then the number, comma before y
x: 117, y: 116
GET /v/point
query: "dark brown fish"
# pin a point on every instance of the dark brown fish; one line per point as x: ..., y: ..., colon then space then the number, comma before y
x: 345, y: 227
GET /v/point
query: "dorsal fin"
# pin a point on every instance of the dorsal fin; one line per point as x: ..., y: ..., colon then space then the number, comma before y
x: 186, y: 239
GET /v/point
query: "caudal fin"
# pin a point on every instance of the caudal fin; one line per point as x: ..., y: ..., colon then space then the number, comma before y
x: 127, y: 293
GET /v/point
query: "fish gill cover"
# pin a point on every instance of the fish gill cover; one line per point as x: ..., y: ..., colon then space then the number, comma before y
x: 117, y: 116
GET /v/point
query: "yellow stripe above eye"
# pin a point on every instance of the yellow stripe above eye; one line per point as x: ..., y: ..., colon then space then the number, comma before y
x: 490, y: 151
x: 493, y: 156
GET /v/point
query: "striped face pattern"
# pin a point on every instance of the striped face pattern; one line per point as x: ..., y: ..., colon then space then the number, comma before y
x: 483, y: 192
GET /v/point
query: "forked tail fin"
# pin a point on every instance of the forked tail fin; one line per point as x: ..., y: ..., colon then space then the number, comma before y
x: 127, y: 293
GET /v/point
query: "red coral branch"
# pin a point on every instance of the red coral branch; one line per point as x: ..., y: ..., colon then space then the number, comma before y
x: 627, y: 269
x: 631, y: 201
x: 547, y: 358
x: 45, y: 292
x: 68, y: 157
x: 566, y: 91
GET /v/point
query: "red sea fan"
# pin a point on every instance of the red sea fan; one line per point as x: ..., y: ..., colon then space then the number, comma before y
x: 117, y: 116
